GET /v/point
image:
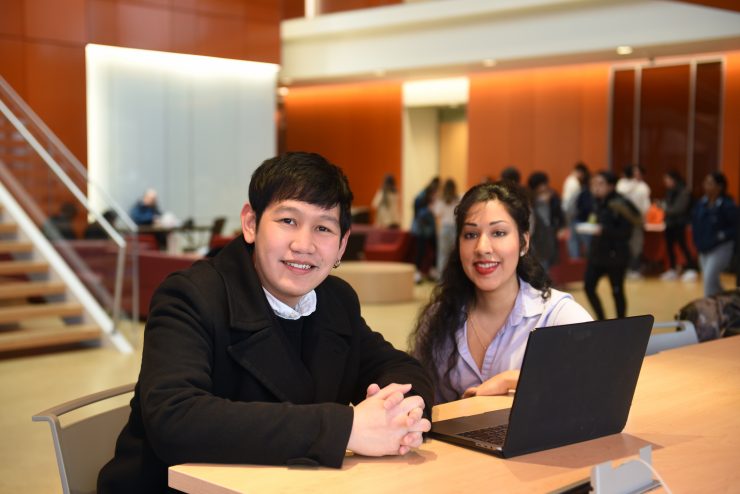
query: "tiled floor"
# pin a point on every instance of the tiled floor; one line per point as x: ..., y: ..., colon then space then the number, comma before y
x: 31, y: 384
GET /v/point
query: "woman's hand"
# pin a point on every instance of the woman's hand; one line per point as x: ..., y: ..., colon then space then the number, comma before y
x: 500, y: 384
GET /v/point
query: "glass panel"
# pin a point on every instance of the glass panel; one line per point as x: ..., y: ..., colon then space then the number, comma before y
x: 664, y: 114
x: 706, y: 122
x: 50, y: 184
x: 623, y: 113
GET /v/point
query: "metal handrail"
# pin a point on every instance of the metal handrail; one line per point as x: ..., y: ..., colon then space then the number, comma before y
x: 77, y: 193
x: 71, y: 158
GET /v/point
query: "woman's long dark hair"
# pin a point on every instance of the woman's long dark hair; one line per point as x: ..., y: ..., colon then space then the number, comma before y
x: 445, y: 312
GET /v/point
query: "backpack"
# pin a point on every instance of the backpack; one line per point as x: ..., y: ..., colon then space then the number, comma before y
x: 715, y: 316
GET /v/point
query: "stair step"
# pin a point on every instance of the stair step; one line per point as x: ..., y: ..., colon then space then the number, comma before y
x: 22, y: 267
x: 30, y: 288
x: 34, y: 338
x: 17, y: 313
x: 8, y: 228
x: 14, y: 246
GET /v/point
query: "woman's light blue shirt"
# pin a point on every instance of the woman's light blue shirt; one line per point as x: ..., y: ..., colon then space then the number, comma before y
x: 506, y: 351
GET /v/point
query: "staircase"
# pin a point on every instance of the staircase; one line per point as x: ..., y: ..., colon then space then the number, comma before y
x: 36, y: 311
x: 54, y: 290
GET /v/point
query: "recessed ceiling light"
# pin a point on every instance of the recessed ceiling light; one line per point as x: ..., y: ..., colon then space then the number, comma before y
x: 283, y: 91
x: 624, y: 50
x: 489, y: 62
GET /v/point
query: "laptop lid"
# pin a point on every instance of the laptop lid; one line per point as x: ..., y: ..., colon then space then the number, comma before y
x: 576, y: 383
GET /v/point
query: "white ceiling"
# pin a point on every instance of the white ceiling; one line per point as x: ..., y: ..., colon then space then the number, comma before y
x: 453, y: 37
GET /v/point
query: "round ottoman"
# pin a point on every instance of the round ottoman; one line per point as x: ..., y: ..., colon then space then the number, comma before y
x: 379, y: 282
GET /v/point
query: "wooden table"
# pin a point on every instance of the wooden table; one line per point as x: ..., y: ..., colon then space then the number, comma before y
x: 687, y: 406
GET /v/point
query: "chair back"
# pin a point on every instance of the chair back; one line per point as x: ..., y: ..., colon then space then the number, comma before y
x: 85, y: 444
x: 684, y: 335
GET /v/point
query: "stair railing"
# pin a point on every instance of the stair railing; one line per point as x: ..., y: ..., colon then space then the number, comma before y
x: 72, y: 174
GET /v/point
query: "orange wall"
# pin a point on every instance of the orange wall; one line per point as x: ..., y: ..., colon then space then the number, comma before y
x: 42, y: 44
x: 356, y: 126
x: 544, y: 119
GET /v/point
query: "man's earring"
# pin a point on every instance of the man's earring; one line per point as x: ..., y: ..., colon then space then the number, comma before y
x: 521, y: 254
x: 336, y: 264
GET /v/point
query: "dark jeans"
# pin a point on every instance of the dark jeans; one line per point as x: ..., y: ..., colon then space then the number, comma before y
x: 677, y: 234
x: 616, y: 280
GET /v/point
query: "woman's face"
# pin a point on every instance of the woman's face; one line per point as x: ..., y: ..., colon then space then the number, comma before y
x: 711, y: 187
x: 490, y: 247
x: 668, y: 182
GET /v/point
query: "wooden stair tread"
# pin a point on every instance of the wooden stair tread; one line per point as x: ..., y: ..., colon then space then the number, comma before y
x: 22, y: 267
x: 8, y: 246
x: 41, y: 337
x: 24, y: 289
x: 8, y: 228
x: 17, y: 313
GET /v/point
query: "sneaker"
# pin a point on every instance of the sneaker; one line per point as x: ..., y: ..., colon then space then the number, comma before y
x: 669, y: 275
x: 690, y: 275
x: 634, y: 275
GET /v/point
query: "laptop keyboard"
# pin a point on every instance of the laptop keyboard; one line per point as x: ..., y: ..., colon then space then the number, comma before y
x: 493, y: 435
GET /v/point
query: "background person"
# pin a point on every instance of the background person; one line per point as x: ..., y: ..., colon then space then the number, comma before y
x: 444, y: 212
x: 471, y: 336
x: 387, y: 205
x: 633, y: 187
x: 713, y: 227
x: 253, y: 356
x: 548, y: 219
x: 146, y: 210
x: 677, y: 208
x: 424, y: 230
x: 60, y: 226
x: 615, y: 217
x: 575, y: 184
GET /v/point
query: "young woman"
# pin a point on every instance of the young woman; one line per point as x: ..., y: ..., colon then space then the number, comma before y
x: 677, y: 215
x: 713, y: 226
x: 386, y: 204
x: 444, y: 211
x: 472, y: 335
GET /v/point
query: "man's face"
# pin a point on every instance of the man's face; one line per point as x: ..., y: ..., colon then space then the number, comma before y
x: 295, y: 246
x: 600, y: 188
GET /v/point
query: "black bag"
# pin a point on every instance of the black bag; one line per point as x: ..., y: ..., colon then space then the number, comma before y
x: 715, y: 316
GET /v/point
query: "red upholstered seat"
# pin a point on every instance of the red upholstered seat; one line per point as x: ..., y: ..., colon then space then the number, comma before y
x: 386, y: 244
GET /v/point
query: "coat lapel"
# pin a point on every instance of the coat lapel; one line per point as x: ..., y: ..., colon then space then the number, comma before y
x: 330, y: 345
x: 257, y: 344
x: 266, y: 355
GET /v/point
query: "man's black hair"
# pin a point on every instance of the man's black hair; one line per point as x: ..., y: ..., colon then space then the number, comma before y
x: 512, y: 174
x: 629, y: 171
x: 536, y: 179
x: 581, y: 167
x: 301, y: 176
x: 608, y: 176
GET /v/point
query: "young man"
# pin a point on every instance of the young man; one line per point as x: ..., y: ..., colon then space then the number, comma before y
x: 253, y: 356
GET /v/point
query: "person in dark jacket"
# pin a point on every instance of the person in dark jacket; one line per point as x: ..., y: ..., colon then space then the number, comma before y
x: 713, y: 227
x: 614, y: 217
x: 254, y: 355
x: 677, y: 209
x: 548, y: 219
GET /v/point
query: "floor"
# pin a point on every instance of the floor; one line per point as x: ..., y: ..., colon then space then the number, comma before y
x: 31, y: 384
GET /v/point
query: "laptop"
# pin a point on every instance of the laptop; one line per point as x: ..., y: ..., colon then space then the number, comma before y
x: 576, y: 383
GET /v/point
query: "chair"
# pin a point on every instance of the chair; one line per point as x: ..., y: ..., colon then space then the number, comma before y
x: 83, y: 446
x: 684, y: 335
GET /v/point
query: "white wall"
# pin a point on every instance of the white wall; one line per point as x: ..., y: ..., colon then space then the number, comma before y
x: 420, y: 155
x: 192, y: 127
